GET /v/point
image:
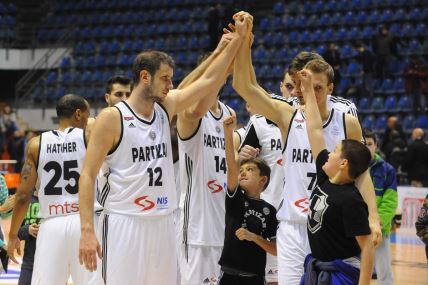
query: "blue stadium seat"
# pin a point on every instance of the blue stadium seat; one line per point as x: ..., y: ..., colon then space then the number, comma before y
x: 387, y: 86
x: 321, y: 49
x: 324, y: 20
x: 264, y: 24
x: 367, y: 32
x: 364, y: 105
x: 263, y: 71
x: 415, y: 14
x: 328, y: 34
x: 386, y: 16
x: 301, y: 21
x: 349, y: 18
x: 399, y: 15
x: 404, y: 104
x: 422, y: 121
x: 424, y: 13
x: 346, y: 51
x: 276, y: 23
x: 100, y: 61
x: 336, y: 19
x: 408, y: 123
x: 344, y: 84
x: 377, y: 104
x: 381, y: 123
x: 123, y: 60
x: 316, y: 36
x: 362, y: 17
x: 66, y: 78
x: 391, y: 104
x: 353, y: 69
x: 373, y: 17
x: 52, y: 77
x: 290, y: 21
x: 86, y: 76
x: 369, y: 122
x: 65, y: 63
x: 305, y: 37
x: 354, y: 33
x: 399, y: 85
x: 421, y: 29
x: 408, y: 30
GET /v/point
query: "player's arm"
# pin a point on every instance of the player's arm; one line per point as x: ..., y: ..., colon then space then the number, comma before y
x: 312, y: 113
x: 367, y: 256
x: 212, y: 79
x: 231, y: 163
x: 23, y: 195
x: 364, y: 182
x: 88, y: 129
x: 267, y: 245
x: 105, y: 135
x: 245, y: 84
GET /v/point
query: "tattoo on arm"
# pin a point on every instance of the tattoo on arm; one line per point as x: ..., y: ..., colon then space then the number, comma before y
x: 26, y: 170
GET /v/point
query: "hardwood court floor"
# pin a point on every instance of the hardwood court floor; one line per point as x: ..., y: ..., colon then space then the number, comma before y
x: 409, y: 263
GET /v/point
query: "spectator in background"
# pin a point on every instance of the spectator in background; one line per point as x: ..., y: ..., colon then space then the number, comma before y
x: 391, y: 125
x: 384, y: 179
x: 9, y: 121
x: 6, y: 205
x: 16, y: 149
x: 422, y: 225
x: 416, y: 160
x: 385, y: 47
x: 395, y: 145
x: 28, y: 233
x: 415, y: 76
x: 332, y: 57
x: 366, y: 59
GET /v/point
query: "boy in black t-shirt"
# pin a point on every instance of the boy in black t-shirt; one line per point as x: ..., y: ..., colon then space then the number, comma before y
x: 250, y: 222
x: 338, y: 227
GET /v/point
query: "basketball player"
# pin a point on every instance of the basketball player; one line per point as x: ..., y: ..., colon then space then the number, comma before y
x: 203, y: 180
x: 134, y: 140
x: 55, y: 159
x: 286, y: 86
x: 118, y: 89
x: 300, y: 169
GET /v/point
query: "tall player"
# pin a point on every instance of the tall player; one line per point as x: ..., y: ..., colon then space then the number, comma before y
x: 203, y: 180
x: 292, y: 237
x: 55, y: 159
x: 134, y: 140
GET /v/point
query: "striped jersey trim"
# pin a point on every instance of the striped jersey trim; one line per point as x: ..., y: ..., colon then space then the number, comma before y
x: 104, y: 240
x: 102, y: 197
x: 189, y: 171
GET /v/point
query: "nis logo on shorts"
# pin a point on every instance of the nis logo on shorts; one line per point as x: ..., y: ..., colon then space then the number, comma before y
x: 146, y: 204
x: 215, y: 187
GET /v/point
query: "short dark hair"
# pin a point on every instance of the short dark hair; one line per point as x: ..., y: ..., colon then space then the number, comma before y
x: 119, y: 79
x: 369, y: 134
x: 301, y: 59
x: 358, y: 156
x: 261, y: 165
x: 150, y: 61
x: 68, y: 104
x: 321, y: 66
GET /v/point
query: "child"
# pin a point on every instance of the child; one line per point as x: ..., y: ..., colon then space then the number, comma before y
x: 250, y: 222
x: 385, y: 182
x: 28, y: 232
x: 338, y: 227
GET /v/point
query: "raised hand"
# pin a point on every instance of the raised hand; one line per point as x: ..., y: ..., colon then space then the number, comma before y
x: 224, y: 41
x: 305, y: 81
x: 229, y: 124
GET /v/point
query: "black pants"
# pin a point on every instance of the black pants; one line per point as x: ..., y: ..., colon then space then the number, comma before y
x: 227, y: 279
x: 25, y: 277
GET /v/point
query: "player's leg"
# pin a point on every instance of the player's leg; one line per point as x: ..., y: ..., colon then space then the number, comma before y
x: 383, y: 262
x: 78, y: 272
x: 200, y: 264
x: 25, y: 276
x: 292, y: 246
x: 147, y: 244
x: 50, y: 247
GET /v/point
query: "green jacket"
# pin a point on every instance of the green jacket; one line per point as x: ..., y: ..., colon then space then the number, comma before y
x: 385, y: 184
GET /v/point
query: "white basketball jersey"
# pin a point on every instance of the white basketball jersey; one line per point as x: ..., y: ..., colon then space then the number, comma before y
x: 203, y: 181
x: 300, y: 170
x: 241, y: 133
x: 61, y: 156
x: 271, y: 144
x: 141, y: 178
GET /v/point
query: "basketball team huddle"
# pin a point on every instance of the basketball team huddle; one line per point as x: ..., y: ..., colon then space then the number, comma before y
x: 287, y: 199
